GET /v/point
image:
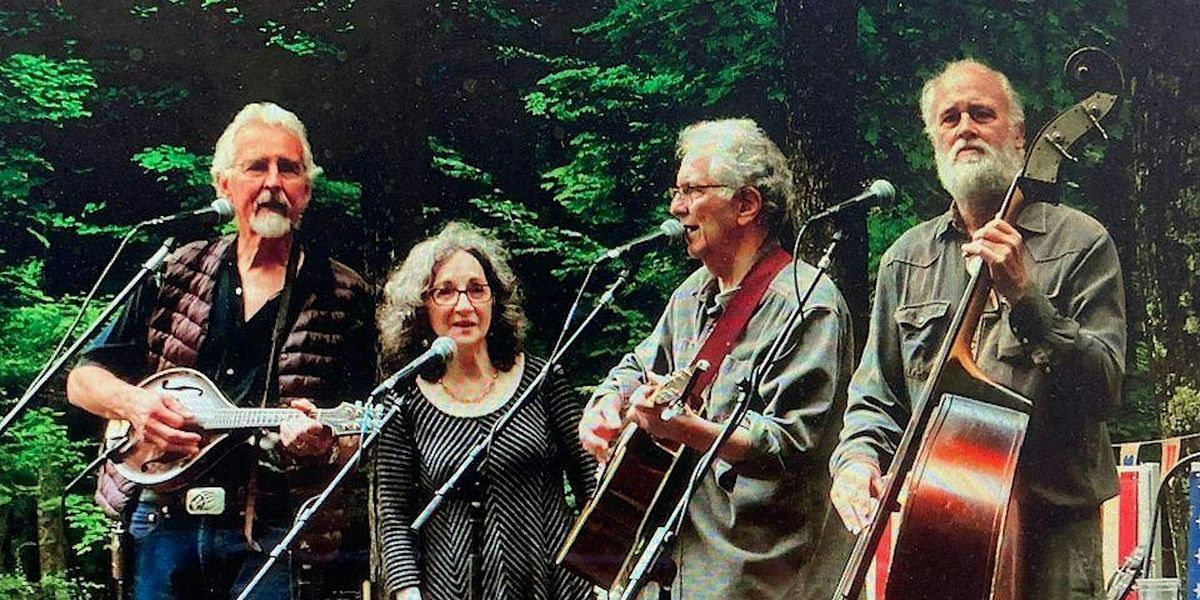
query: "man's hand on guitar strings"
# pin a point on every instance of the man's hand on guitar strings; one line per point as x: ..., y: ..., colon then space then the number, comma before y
x: 601, y: 422
x: 646, y: 406
x: 160, y: 420
x: 302, y: 435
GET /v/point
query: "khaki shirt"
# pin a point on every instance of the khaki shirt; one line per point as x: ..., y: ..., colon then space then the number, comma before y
x: 1063, y: 348
x: 752, y: 528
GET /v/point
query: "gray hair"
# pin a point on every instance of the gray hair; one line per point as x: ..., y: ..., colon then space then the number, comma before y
x: 743, y: 155
x: 1015, y: 107
x: 403, y: 319
x: 266, y: 113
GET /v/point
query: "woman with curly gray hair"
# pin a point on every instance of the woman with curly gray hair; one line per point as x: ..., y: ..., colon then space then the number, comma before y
x: 459, y: 284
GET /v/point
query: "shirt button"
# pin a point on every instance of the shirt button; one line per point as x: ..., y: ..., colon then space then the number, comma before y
x: 1024, y: 340
x: 238, y: 290
x: 229, y: 371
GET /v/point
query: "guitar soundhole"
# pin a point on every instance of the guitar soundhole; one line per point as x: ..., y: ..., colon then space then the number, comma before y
x: 182, y: 387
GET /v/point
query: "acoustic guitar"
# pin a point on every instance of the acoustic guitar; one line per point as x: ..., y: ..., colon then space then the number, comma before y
x: 217, y: 420
x: 643, y: 479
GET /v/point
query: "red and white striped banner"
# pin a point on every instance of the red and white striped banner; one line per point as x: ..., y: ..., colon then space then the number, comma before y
x: 1125, y: 520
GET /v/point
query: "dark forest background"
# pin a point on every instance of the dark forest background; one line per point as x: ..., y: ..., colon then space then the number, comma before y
x: 551, y: 123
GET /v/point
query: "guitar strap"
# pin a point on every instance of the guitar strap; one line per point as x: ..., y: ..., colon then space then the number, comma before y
x: 271, y: 385
x: 735, y: 317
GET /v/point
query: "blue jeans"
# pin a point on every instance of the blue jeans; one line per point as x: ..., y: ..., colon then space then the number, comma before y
x: 202, y: 557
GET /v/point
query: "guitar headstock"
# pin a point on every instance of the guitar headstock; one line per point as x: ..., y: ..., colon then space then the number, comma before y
x: 1096, y: 77
x: 351, y: 419
x: 673, y: 392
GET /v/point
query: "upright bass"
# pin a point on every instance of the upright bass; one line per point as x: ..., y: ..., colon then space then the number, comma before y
x: 957, y: 459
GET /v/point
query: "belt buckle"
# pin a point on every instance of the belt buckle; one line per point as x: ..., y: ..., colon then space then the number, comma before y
x: 205, y: 501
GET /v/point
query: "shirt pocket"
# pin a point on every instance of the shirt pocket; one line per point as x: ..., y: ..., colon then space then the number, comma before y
x: 724, y: 389
x: 922, y: 328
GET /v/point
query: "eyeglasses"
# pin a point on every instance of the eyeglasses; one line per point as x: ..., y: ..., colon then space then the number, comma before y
x: 691, y: 192
x: 447, y: 295
x: 260, y: 167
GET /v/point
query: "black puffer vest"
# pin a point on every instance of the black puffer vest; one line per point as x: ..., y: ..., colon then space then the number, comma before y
x: 316, y: 362
x: 312, y: 357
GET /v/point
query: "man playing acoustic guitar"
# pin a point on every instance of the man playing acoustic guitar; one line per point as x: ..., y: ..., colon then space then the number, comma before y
x: 1054, y: 331
x: 753, y: 527
x: 216, y: 310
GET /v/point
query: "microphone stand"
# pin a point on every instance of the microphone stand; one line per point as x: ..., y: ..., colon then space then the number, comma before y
x: 314, y: 504
x: 658, y: 545
x: 471, y: 463
x: 152, y: 264
x: 1138, y: 560
x: 467, y: 467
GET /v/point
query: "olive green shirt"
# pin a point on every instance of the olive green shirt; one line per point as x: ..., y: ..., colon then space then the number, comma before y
x: 753, y: 528
x: 1062, y: 347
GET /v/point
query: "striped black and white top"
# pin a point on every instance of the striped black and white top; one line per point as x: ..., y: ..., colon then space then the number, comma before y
x: 525, y: 515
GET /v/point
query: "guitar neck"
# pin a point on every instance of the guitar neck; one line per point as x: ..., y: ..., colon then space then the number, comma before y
x: 227, y: 419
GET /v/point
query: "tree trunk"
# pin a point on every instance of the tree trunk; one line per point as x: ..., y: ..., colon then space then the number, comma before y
x: 1163, y: 68
x: 52, y: 558
x: 819, y: 56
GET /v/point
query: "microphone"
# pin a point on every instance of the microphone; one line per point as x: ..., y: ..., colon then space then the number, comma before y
x: 220, y: 211
x: 880, y: 190
x: 669, y: 228
x: 442, y: 349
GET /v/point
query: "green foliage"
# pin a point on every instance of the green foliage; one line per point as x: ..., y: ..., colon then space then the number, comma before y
x: 513, y: 220
x: 652, y: 69
x: 52, y: 587
x: 89, y: 524
x: 903, y: 44
x: 21, y: 171
x: 297, y: 42
x: 178, y: 168
x: 1182, y: 410
x: 345, y: 196
x: 38, y: 88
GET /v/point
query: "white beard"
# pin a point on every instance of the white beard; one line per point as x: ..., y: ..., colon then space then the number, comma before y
x: 270, y: 224
x: 983, y: 180
x: 267, y: 222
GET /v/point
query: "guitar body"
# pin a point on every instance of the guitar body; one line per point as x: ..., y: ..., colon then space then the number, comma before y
x: 145, y: 465
x: 641, y: 478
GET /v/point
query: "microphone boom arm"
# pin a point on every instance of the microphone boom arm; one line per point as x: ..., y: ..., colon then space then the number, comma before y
x: 152, y: 264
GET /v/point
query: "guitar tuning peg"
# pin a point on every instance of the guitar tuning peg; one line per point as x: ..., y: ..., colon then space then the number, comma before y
x: 268, y: 441
x: 669, y: 413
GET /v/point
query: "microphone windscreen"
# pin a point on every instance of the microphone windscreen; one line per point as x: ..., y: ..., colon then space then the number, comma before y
x: 671, y: 228
x: 223, y: 209
x: 883, y: 189
x: 443, y: 347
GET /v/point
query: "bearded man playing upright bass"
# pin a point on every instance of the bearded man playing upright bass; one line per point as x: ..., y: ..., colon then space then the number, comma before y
x: 1053, y: 331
